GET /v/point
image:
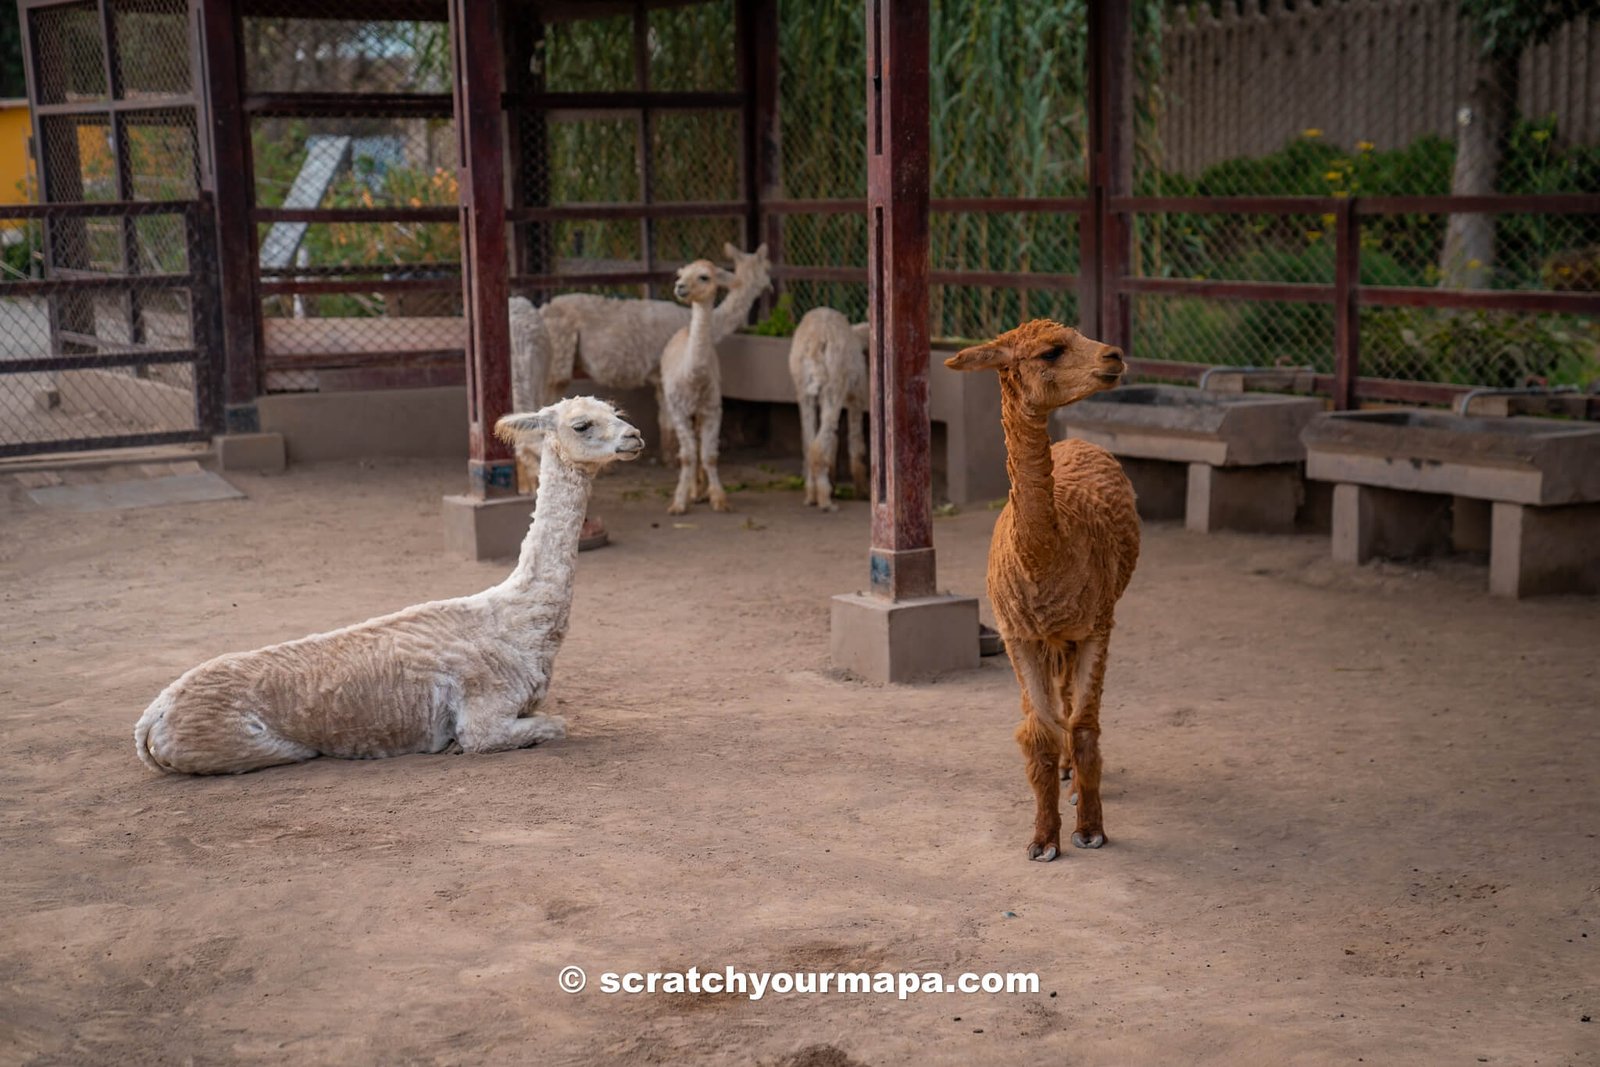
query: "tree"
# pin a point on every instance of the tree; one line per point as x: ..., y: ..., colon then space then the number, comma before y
x: 1504, y: 30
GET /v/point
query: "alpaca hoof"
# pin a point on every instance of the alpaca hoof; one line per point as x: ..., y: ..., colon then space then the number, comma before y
x: 828, y: 506
x: 720, y: 503
x: 1072, y: 798
x: 677, y: 509
x: 1043, y: 853
x: 1066, y: 774
x: 1088, y: 841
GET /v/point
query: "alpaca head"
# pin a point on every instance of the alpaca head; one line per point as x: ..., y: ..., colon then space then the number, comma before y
x: 1045, y: 364
x: 699, y: 281
x: 583, y: 431
x: 751, y: 270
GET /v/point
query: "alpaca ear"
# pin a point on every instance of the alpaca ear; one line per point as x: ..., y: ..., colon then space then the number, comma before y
x: 512, y: 428
x: 978, y: 357
x: 761, y: 250
x: 730, y: 251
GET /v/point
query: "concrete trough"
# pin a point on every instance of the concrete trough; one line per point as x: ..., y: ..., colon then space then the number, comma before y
x: 1411, y: 483
x: 1217, y: 460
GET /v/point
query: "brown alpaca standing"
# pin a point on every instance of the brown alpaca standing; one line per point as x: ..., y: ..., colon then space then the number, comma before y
x: 1063, y: 551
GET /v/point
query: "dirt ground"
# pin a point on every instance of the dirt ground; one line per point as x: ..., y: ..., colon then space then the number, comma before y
x: 1352, y: 812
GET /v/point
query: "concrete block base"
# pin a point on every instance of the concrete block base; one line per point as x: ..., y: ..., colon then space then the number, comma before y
x: 1535, y: 551
x: 486, y: 529
x: 263, y: 452
x: 885, y: 641
x: 1162, y: 487
x: 1260, y: 499
x: 1369, y: 522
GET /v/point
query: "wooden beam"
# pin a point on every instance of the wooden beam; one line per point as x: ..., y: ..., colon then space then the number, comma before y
x: 234, y: 197
x: 478, y: 71
x: 902, y: 559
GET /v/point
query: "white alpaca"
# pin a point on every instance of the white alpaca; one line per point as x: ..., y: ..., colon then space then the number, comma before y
x: 472, y: 670
x: 617, y: 342
x: 828, y: 362
x: 691, y: 386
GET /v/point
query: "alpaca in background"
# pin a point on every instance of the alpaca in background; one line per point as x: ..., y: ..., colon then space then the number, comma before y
x: 691, y: 384
x: 828, y: 363
x: 471, y: 671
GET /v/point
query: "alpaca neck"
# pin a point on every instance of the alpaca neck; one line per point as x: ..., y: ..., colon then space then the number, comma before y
x: 1029, y: 466
x: 550, y: 550
x: 701, y: 332
x: 734, y: 310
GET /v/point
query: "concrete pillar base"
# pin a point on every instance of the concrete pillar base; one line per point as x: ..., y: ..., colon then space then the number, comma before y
x: 1251, y: 499
x: 1536, y: 551
x: 1161, y: 487
x: 263, y: 452
x: 885, y: 641
x: 1369, y: 522
x: 486, y: 529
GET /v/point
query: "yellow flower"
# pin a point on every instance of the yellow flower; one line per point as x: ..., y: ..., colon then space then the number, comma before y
x: 416, y: 201
x: 1541, y: 135
x: 1313, y: 235
x: 1312, y: 132
x: 1474, y: 264
x: 1327, y: 220
x: 1339, y: 194
x: 1365, y: 146
x: 1332, y: 176
x: 1563, y: 271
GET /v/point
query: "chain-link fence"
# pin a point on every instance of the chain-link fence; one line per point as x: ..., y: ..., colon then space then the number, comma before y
x: 94, y: 353
x: 353, y: 155
x: 1371, y: 101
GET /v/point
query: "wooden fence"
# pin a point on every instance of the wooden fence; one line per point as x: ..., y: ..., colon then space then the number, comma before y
x: 1385, y: 71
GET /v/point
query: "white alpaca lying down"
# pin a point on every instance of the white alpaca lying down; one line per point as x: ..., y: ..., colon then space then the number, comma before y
x: 470, y: 670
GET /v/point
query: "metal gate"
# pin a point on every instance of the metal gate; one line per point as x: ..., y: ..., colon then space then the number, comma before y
x: 108, y: 296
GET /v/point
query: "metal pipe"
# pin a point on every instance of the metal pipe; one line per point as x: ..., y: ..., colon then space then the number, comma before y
x: 1252, y: 371
x: 1532, y: 390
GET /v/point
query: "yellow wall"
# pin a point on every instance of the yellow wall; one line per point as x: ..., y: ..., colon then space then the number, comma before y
x: 15, y: 128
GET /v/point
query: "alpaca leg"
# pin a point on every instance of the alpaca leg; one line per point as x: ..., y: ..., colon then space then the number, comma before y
x: 808, y: 434
x: 502, y: 735
x: 1041, y: 741
x: 190, y: 740
x: 1064, y: 686
x: 824, y: 448
x: 858, y: 451
x: 1083, y: 738
x: 686, y: 464
x: 710, y: 436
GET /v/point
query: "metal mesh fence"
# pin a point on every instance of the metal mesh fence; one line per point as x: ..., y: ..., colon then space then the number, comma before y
x: 1369, y: 99
x: 346, y: 301
x: 97, y: 353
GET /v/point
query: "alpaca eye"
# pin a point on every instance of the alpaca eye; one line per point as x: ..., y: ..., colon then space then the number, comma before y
x: 1050, y: 355
x: 583, y: 426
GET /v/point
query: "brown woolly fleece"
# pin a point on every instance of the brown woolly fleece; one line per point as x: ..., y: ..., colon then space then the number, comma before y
x: 1063, y: 551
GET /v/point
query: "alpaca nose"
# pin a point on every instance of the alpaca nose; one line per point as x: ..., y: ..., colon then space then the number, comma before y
x: 1112, y: 355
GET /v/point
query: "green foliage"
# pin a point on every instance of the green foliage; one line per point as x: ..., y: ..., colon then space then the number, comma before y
x: 1505, y: 27
x: 1479, y: 347
x: 780, y: 321
x: 17, y: 260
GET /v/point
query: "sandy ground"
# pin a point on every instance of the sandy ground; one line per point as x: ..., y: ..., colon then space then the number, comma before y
x: 1353, y: 812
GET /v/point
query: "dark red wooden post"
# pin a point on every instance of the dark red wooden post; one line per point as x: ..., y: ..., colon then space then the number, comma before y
x: 1104, y: 312
x: 485, y: 290
x: 234, y: 193
x: 761, y: 137
x: 1346, y: 312
x: 897, y: 283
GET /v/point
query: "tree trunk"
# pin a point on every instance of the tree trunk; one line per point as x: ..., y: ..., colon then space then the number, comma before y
x: 1484, y: 125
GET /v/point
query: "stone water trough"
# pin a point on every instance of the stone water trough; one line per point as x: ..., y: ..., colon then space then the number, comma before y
x: 1412, y: 482
x: 1218, y: 460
